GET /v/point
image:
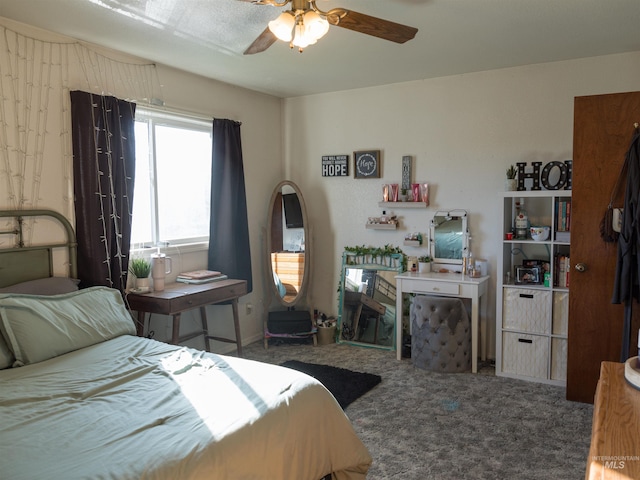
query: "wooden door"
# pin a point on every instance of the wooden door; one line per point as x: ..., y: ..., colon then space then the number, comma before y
x: 603, y: 128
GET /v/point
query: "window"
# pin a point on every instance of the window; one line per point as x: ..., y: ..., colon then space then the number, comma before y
x: 173, y: 179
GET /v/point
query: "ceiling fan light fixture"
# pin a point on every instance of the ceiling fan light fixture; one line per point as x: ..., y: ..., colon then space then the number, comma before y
x: 301, y: 38
x: 304, y: 24
x: 282, y: 27
x: 308, y: 29
x: 316, y: 25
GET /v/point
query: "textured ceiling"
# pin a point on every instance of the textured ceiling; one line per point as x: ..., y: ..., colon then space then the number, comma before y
x: 208, y: 37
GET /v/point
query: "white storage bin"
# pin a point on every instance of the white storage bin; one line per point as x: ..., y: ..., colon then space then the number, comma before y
x: 558, y: 359
x: 560, y: 313
x: 526, y: 310
x: 524, y: 354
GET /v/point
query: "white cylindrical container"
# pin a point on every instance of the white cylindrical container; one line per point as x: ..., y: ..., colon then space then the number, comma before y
x: 482, y: 264
x: 160, y: 268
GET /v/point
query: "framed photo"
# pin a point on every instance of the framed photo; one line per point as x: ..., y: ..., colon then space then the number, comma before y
x: 366, y: 164
x: 528, y: 275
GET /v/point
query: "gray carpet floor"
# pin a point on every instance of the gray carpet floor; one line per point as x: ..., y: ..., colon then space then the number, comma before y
x: 422, y: 425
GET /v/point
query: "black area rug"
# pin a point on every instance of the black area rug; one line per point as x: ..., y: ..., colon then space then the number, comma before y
x: 346, y: 385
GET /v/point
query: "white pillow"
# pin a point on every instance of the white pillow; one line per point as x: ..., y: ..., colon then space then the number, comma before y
x: 42, y: 286
x: 38, y: 327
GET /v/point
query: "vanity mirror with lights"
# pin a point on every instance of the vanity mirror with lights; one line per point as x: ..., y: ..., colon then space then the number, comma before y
x: 287, y: 264
x: 449, y: 240
x: 448, y: 246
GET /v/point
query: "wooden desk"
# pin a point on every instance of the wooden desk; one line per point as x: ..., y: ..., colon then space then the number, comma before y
x: 444, y: 285
x: 180, y: 297
x: 615, y: 434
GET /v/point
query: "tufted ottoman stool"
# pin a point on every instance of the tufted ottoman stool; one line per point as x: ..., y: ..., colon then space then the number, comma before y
x: 440, y: 334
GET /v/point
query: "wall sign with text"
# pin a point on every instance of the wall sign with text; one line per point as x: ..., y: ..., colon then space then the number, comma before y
x: 335, y: 165
x: 366, y: 164
x: 554, y: 176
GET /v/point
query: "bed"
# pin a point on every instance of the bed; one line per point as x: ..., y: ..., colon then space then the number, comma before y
x: 82, y: 397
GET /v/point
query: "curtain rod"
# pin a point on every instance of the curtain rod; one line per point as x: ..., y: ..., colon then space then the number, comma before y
x: 157, y: 106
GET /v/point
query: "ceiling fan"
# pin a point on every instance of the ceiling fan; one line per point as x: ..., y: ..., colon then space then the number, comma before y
x: 305, y: 23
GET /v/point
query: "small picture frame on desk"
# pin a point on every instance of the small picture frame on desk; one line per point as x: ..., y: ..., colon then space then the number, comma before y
x: 528, y: 275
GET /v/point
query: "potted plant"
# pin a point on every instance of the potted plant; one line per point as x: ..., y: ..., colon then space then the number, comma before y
x: 403, y: 194
x: 424, y: 264
x: 510, y: 183
x: 140, y: 268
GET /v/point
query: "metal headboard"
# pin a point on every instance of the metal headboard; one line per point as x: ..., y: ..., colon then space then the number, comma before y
x: 22, y: 263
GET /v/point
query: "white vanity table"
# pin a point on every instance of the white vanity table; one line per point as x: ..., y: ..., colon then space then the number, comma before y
x: 445, y: 285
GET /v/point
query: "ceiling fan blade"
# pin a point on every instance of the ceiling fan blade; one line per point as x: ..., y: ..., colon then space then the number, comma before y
x: 359, y: 22
x: 260, y: 44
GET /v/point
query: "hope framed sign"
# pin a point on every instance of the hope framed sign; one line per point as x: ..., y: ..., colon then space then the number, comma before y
x: 335, y: 165
x: 366, y: 164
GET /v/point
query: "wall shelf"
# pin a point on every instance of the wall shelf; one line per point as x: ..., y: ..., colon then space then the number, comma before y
x: 412, y: 243
x: 402, y: 204
x: 382, y: 226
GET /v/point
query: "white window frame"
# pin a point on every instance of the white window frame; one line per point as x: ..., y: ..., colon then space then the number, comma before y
x: 157, y: 117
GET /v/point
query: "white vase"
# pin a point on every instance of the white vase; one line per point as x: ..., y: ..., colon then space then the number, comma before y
x: 143, y: 285
x: 424, y: 267
x: 510, y: 184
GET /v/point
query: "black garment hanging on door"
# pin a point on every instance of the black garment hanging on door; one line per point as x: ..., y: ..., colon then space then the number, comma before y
x: 626, y: 282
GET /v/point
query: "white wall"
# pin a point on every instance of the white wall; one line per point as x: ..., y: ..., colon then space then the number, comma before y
x: 462, y: 131
x: 262, y: 152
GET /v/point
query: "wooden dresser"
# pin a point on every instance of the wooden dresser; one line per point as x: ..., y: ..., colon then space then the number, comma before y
x: 615, y: 435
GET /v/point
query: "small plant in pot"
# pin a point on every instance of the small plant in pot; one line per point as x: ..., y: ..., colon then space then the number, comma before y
x: 140, y: 268
x: 511, y: 182
x: 424, y: 264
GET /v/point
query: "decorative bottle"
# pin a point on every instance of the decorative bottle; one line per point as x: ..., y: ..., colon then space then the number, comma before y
x: 521, y: 221
x: 470, y: 261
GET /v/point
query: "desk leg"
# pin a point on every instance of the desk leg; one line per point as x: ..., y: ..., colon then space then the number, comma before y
x: 474, y: 337
x: 205, y: 327
x: 140, y: 324
x: 175, y: 335
x: 236, y: 325
x: 399, y: 320
x: 484, y: 326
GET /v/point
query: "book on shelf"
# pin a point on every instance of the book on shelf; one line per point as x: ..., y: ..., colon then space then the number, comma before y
x: 200, y: 274
x: 201, y: 280
x: 563, y: 237
x: 563, y: 215
x: 562, y: 271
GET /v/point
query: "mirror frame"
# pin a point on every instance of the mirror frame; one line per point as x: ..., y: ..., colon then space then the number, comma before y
x: 271, y: 217
x: 452, y: 263
x: 390, y: 263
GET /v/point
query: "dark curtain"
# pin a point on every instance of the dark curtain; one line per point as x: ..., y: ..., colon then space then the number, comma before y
x: 103, y: 179
x: 229, y: 250
x: 625, y: 287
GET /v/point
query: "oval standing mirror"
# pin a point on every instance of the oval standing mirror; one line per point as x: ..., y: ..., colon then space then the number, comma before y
x: 288, y: 245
